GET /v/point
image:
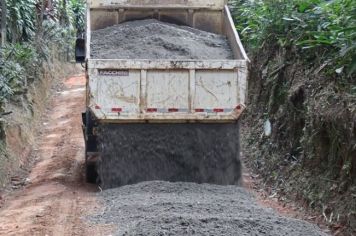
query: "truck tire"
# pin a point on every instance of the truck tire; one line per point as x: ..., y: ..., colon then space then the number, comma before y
x: 91, y: 174
x: 201, y: 153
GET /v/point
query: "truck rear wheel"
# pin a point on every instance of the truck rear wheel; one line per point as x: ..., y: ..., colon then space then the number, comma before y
x: 91, y: 150
x: 202, y: 153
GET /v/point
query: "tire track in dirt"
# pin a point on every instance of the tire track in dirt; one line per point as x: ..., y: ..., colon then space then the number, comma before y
x: 57, y: 197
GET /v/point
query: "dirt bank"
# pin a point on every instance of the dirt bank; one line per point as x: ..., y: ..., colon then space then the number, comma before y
x: 20, y: 127
x: 152, y: 39
x: 162, y: 208
x: 310, y: 155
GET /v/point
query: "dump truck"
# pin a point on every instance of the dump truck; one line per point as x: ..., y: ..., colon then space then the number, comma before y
x: 163, y: 119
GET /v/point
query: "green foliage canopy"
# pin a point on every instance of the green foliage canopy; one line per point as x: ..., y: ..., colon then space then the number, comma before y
x: 322, y: 30
x: 31, y: 39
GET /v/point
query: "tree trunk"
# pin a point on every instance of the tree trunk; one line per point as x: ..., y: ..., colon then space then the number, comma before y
x: 3, y: 22
x: 40, y: 19
x: 50, y: 5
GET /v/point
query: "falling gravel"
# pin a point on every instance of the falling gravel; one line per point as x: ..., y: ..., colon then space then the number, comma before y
x: 163, y: 208
x: 200, y: 153
x: 152, y: 39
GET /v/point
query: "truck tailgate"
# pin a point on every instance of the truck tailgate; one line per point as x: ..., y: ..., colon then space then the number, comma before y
x: 167, y: 91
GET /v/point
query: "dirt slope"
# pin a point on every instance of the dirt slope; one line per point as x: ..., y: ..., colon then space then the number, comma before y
x: 56, y: 197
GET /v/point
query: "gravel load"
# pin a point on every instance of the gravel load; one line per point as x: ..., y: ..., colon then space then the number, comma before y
x: 200, y: 153
x: 152, y: 39
x: 163, y: 208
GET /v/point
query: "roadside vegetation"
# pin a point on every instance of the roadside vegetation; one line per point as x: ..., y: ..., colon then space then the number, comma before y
x: 36, y: 36
x: 35, y: 33
x: 303, y: 86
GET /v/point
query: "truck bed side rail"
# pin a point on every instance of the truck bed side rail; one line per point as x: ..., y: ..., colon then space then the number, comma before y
x: 192, y: 4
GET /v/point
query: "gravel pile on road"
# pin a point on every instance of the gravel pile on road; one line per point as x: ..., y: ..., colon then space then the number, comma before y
x: 163, y: 208
x: 152, y: 39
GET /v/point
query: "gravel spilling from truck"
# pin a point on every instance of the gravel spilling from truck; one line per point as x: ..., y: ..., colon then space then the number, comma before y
x: 152, y: 39
x: 163, y: 208
x: 202, y: 153
x: 131, y: 153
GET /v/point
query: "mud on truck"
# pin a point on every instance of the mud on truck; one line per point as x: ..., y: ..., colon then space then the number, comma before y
x: 166, y: 118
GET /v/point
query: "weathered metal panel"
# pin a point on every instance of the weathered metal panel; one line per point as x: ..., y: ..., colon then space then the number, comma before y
x: 168, y: 90
x: 209, y: 21
x: 242, y: 84
x: 216, y: 89
x: 166, y: 64
x: 133, y: 14
x: 88, y: 33
x: 180, y: 17
x: 167, y: 117
x: 103, y: 18
x: 173, y: 95
x: 212, y: 4
x: 117, y: 93
x: 233, y: 36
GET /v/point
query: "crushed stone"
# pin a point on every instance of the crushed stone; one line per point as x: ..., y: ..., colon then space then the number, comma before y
x: 152, y: 39
x: 200, y: 153
x: 164, y: 208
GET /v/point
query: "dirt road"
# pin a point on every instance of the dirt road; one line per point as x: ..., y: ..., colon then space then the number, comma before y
x: 56, y: 197
x: 57, y: 201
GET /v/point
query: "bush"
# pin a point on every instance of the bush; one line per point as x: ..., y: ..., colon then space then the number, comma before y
x: 321, y: 31
x: 33, y: 41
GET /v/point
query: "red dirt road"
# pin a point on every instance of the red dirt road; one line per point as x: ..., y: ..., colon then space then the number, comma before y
x: 56, y: 199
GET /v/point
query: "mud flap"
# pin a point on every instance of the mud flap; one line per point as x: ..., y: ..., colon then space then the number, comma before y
x: 202, y: 153
x: 91, y: 150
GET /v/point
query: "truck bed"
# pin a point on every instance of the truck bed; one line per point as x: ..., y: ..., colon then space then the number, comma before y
x: 161, y: 91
